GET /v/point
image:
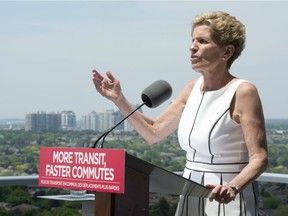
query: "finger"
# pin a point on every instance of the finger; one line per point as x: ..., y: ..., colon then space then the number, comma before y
x: 225, y: 196
x: 223, y: 192
x: 110, y: 76
x: 227, y: 200
x: 97, y: 76
x: 214, y: 193
x: 223, y: 199
x: 97, y: 80
x: 210, y: 186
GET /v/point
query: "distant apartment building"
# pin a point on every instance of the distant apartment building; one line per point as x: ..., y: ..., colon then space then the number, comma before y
x: 98, y: 121
x: 104, y: 121
x: 68, y: 120
x: 42, y: 121
x: 90, y: 121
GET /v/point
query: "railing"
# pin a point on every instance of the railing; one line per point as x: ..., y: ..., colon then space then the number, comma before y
x: 33, y: 180
x: 87, y: 200
x: 19, y: 180
x: 88, y: 205
x: 273, y: 177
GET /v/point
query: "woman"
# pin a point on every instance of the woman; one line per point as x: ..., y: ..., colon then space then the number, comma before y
x: 219, y: 118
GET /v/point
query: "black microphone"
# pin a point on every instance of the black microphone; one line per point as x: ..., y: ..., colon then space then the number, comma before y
x: 152, y: 96
x: 156, y: 93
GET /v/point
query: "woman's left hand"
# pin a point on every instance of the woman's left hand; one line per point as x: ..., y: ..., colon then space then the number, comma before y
x: 221, y: 193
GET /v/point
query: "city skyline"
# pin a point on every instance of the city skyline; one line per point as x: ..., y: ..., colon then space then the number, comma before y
x: 67, y: 120
x: 48, y: 50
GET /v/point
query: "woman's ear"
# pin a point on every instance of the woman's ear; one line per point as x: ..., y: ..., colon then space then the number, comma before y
x: 229, y: 50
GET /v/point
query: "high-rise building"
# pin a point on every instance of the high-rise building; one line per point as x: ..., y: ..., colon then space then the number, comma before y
x: 68, y: 120
x: 90, y: 121
x: 84, y: 123
x: 30, y: 122
x: 117, y: 118
x: 41, y: 121
x: 93, y: 121
x: 128, y: 126
x: 105, y: 120
x: 53, y: 122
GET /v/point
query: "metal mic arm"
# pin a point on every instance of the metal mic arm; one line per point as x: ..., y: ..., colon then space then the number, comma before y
x: 103, y: 136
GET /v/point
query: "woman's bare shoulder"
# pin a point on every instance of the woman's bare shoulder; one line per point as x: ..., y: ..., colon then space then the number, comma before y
x: 245, y: 89
x: 186, y: 91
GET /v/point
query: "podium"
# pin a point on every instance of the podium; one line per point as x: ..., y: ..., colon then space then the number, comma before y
x: 141, y: 178
x: 121, y: 182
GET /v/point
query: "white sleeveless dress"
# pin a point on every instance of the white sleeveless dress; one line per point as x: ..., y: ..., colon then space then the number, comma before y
x: 216, y: 151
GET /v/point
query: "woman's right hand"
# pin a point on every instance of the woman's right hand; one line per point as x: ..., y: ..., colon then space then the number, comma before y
x: 108, y: 87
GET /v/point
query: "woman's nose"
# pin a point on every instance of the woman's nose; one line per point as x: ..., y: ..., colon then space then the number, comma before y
x: 193, y: 46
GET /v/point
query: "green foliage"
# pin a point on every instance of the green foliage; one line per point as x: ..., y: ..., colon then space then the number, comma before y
x: 4, y: 192
x: 19, y: 195
x: 19, y: 152
x: 20, y: 149
x: 272, y: 203
x: 278, y: 158
x: 64, y: 211
x: 279, y: 169
x: 163, y: 208
x: 4, y: 212
x: 278, y: 124
x: 172, y: 210
x: 160, y: 209
x: 281, y: 211
x: 39, y: 207
x: 166, y: 154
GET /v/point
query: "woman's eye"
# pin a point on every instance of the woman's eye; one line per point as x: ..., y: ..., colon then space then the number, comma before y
x: 202, y: 41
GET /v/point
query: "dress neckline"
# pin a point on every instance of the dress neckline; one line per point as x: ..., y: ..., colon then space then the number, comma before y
x: 231, y: 83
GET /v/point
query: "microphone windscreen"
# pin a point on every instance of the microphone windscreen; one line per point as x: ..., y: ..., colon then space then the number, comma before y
x: 156, y: 93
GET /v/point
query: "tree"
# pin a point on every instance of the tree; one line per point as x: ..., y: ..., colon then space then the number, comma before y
x: 281, y: 211
x: 18, y: 196
x: 272, y: 202
x: 4, y: 192
x: 160, y: 209
x: 4, y: 212
x: 172, y: 210
x: 64, y: 211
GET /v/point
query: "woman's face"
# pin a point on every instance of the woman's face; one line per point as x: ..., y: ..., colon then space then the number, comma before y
x: 205, y: 53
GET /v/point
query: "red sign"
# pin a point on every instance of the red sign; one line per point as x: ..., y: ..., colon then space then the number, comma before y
x: 82, y: 168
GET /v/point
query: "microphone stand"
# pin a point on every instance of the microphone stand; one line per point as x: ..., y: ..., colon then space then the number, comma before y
x: 111, y: 129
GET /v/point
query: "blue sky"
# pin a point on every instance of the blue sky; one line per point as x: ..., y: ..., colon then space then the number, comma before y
x: 48, y: 50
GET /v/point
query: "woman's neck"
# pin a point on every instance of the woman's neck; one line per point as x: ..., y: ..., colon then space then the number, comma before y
x: 212, y: 82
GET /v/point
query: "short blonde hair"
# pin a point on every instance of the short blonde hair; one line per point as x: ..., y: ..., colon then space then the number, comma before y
x: 225, y: 30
